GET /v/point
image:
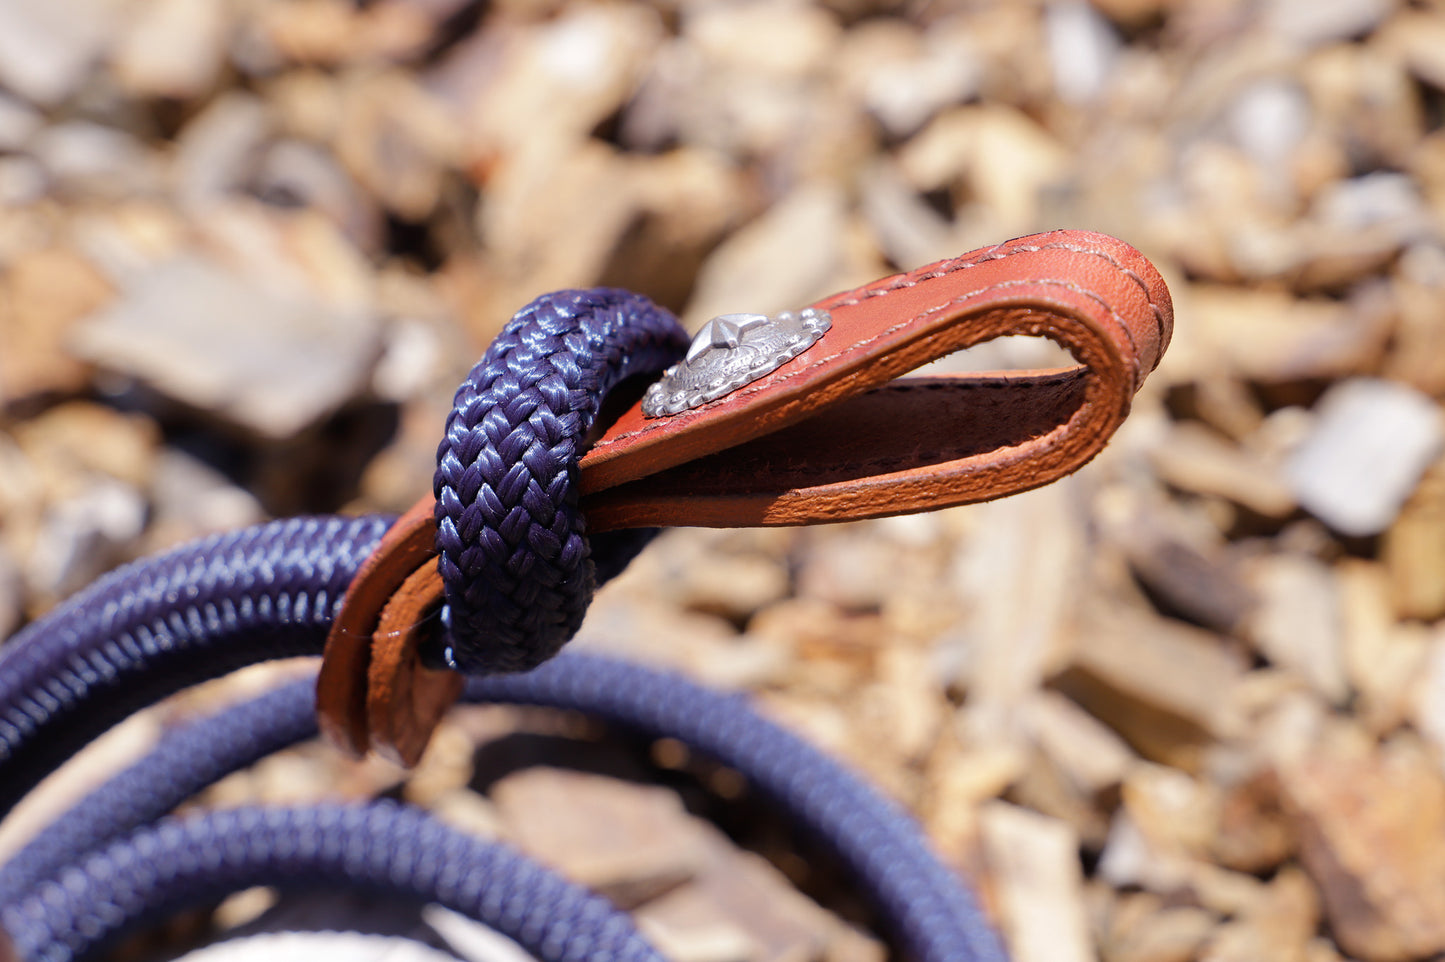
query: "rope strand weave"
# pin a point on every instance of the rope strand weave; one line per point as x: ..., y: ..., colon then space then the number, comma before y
x: 152, y: 628
x: 923, y: 903
x: 514, y: 552
x: 182, y: 863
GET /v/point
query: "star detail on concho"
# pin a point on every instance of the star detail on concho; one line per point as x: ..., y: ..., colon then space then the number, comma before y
x: 725, y: 331
x: 732, y: 350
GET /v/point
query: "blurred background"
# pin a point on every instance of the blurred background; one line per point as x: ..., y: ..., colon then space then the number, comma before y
x: 1186, y: 704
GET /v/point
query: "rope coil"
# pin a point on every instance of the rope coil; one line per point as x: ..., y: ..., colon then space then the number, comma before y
x: 922, y: 902
x: 515, y: 557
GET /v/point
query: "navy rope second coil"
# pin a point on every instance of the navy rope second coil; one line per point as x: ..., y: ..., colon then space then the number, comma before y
x: 922, y: 903
x: 382, y: 847
x: 515, y: 556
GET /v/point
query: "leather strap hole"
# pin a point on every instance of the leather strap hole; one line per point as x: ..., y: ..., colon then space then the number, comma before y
x: 904, y: 424
x: 1011, y: 352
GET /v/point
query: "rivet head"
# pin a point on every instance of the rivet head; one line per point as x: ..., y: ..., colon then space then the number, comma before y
x: 732, y: 350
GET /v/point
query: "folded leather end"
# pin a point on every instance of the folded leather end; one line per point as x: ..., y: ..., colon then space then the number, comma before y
x: 826, y: 437
x: 342, y: 684
x: 1151, y: 343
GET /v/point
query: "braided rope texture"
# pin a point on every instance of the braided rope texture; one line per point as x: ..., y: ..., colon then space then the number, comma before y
x: 514, y: 552
x: 383, y: 847
x: 184, y: 761
x: 922, y: 901
x: 154, y: 627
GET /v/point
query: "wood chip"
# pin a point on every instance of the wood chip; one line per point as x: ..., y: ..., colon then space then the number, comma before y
x: 1270, y: 336
x: 1297, y: 624
x: 1163, y: 686
x: 1034, y: 867
x: 1414, y: 551
x: 1092, y: 756
x: 1195, y: 459
x: 1165, y: 935
x: 42, y: 297
x: 1372, y: 827
x: 209, y: 337
x: 1366, y: 452
x: 630, y: 842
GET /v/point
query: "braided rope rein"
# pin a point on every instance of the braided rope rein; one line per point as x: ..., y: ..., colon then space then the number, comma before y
x: 515, y: 557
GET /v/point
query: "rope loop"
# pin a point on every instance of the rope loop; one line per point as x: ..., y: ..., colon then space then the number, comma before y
x: 515, y: 558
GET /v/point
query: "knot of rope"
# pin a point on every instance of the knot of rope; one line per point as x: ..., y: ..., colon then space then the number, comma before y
x: 515, y: 557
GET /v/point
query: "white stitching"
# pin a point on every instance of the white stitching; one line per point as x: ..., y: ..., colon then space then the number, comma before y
x: 913, y: 279
x: 772, y: 382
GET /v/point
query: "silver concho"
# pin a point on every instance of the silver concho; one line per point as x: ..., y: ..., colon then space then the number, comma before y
x: 730, y: 351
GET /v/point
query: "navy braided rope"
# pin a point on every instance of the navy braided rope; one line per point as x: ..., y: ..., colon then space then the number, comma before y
x: 382, y: 847
x: 185, y: 760
x: 920, y: 900
x: 154, y: 627
x: 515, y: 556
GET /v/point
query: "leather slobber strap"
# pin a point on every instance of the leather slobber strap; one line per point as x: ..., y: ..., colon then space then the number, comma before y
x: 829, y: 435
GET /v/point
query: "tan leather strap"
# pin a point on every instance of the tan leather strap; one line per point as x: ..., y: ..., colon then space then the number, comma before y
x: 1094, y: 295
x: 825, y: 437
x: 407, y: 548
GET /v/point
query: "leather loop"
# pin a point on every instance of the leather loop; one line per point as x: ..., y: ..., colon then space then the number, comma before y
x: 405, y: 699
x: 1094, y: 295
x: 827, y: 436
x: 408, y: 546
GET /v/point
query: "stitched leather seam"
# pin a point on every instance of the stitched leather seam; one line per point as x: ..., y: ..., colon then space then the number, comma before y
x: 771, y: 383
x: 1001, y: 285
x: 1066, y: 285
x: 912, y: 280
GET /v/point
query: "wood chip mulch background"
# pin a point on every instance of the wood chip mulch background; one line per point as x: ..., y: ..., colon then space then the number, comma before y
x: 1188, y: 704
